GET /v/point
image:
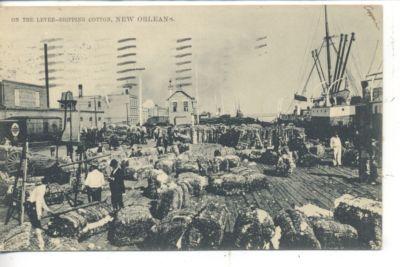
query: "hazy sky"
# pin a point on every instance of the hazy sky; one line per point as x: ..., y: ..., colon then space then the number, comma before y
x: 229, y: 68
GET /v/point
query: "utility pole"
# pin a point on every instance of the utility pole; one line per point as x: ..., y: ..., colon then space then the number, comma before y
x: 327, y: 41
x: 25, y: 172
x: 46, y: 75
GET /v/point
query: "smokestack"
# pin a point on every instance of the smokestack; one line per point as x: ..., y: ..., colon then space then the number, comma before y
x: 80, y: 90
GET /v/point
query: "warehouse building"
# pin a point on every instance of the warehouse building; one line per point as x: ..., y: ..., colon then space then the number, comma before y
x: 18, y: 99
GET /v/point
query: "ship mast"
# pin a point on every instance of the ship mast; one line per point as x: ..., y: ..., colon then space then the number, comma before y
x: 327, y: 42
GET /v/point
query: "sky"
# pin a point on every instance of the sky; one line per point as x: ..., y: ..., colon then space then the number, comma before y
x: 227, y: 69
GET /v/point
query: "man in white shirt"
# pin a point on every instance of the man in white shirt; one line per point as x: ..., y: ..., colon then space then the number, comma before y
x: 336, y: 145
x: 94, y: 183
x: 36, y: 204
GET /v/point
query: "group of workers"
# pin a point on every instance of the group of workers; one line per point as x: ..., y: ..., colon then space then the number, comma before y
x: 94, y: 183
x: 367, y: 156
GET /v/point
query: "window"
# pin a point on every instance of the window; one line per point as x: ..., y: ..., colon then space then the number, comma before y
x: 89, y: 104
x: 81, y: 119
x: 133, y: 102
x: 376, y: 109
x: 16, y: 92
x: 90, y: 118
x: 99, y: 119
x: 185, y: 106
x: 174, y: 106
x: 99, y: 104
x: 37, y: 99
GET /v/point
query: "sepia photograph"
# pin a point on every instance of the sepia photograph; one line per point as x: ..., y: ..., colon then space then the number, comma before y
x: 191, y: 127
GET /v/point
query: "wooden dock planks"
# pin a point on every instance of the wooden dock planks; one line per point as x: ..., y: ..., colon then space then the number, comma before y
x: 317, y: 185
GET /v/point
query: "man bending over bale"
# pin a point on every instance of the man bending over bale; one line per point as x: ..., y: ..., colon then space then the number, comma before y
x: 36, y: 204
x: 117, y: 185
x: 94, y: 183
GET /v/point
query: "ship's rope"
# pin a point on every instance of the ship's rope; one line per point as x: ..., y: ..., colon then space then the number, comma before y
x: 373, y: 58
x: 312, y: 41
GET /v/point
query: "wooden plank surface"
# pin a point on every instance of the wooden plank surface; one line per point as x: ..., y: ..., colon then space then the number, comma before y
x: 317, y: 185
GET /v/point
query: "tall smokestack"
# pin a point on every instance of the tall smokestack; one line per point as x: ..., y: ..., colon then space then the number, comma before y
x: 46, y: 75
x: 80, y: 91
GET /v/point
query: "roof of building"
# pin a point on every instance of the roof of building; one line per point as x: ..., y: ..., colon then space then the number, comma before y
x: 23, y: 83
x: 180, y: 91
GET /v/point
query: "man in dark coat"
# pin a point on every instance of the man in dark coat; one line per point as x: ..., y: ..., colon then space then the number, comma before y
x: 117, y: 185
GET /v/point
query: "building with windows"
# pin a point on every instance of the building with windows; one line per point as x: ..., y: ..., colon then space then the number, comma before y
x: 181, y: 108
x: 19, y: 99
x: 89, y: 110
x: 122, y: 109
x: 151, y: 110
x: 18, y: 95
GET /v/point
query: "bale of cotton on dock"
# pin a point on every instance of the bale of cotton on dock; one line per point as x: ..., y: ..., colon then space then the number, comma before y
x: 186, y: 166
x: 166, y: 163
x: 132, y: 226
x: 230, y: 161
x: 194, y: 182
x: 253, y: 229
x: 5, y: 182
x: 363, y: 214
x: 313, y: 211
x: 334, y: 235
x: 81, y: 223
x: 253, y: 178
x: 171, y: 196
x: 155, y: 180
x: 308, y: 160
x: 207, y: 229
x: 16, y: 238
x: 170, y: 231
x: 318, y: 150
x: 268, y: 157
x: 56, y: 193
x: 296, y: 231
x: 66, y: 225
x: 227, y: 184
x: 135, y: 167
x: 25, y: 238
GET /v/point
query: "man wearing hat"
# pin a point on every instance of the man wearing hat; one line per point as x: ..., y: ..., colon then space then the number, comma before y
x: 117, y: 185
x: 94, y: 183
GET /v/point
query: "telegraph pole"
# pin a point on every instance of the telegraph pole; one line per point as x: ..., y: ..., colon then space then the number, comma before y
x: 25, y: 172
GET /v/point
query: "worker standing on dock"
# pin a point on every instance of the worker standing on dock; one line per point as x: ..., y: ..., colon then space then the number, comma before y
x: 94, y: 183
x: 117, y: 186
x: 336, y: 145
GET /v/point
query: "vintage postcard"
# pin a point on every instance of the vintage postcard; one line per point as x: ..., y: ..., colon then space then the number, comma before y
x: 191, y: 127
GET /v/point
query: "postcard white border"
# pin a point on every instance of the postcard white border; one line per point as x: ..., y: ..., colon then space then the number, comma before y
x: 391, y: 185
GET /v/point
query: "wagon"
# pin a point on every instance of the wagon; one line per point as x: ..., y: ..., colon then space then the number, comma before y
x: 10, y: 159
